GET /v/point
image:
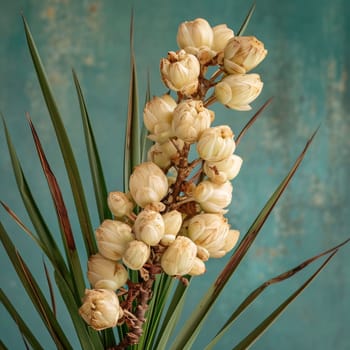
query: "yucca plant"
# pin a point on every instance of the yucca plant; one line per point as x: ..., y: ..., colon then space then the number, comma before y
x: 165, y: 225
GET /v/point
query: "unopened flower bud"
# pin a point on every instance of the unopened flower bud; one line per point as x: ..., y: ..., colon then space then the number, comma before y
x: 157, y: 116
x: 112, y: 238
x: 198, y: 267
x: 120, y: 204
x: 236, y: 91
x: 136, y: 255
x: 163, y: 154
x: 148, y: 184
x: 222, y: 34
x: 149, y: 227
x: 180, y: 72
x: 194, y: 34
x: 100, y: 309
x: 208, y: 231
x: 172, y: 222
x: 179, y: 257
x: 231, y: 240
x: 223, y: 170
x: 216, y: 143
x: 106, y: 274
x: 190, y: 119
x: 242, y: 54
x: 212, y: 197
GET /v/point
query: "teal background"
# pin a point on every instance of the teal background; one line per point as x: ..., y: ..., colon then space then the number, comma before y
x: 306, y: 71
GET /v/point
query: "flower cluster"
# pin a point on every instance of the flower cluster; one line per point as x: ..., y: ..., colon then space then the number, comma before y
x: 172, y: 219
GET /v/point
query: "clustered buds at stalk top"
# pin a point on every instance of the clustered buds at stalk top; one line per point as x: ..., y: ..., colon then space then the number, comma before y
x: 112, y: 238
x: 216, y: 143
x: 190, y: 119
x: 157, y: 116
x: 180, y: 72
x: 120, y: 204
x: 136, y: 255
x: 105, y: 273
x: 236, y: 91
x: 149, y: 227
x: 242, y: 54
x: 212, y: 197
x: 148, y: 184
x: 223, y: 170
x: 222, y: 34
x: 179, y: 257
x: 100, y: 309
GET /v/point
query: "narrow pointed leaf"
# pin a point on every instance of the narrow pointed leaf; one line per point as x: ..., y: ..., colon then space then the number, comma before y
x: 62, y: 216
x: 192, y: 326
x: 52, y: 295
x: 246, y: 21
x: 94, y: 158
x: 263, y: 326
x: 255, y: 294
x: 24, y: 329
x: 65, y: 146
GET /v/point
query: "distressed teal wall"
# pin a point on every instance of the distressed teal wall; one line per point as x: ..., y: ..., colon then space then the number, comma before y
x: 307, y: 73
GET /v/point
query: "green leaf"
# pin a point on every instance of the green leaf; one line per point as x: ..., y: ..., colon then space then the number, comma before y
x: 24, y: 329
x: 192, y: 326
x: 66, y: 149
x: 34, y: 292
x: 263, y: 326
x: 246, y: 21
x: 255, y: 294
x: 94, y: 158
x: 2, y: 345
x: 62, y: 216
x: 52, y: 294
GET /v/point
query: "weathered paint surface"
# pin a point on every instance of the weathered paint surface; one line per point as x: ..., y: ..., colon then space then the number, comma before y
x: 306, y: 71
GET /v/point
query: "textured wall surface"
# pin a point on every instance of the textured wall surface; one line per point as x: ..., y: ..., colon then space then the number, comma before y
x: 306, y: 71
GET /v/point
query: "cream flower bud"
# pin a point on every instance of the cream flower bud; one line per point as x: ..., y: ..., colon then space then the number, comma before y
x: 148, y: 184
x: 163, y: 154
x: 222, y: 34
x: 209, y: 231
x: 223, y: 170
x: 120, y: 204
x: 100, y: 308
x: 106, y: 274
x: 194, y: 34
x: 179, y: 257
x: 216, y: 143
x: 157, y: 116
x: 242, y: 54
x: 172, y: 222
x: 190, y: 119
x: 149, y: 227
x: 180, y: 72
x: 231, y: 240
x: 212, y: 197
x: 198, y: 267
x: 238, y: 90
x: 136, y: 255
x: 112, y: 238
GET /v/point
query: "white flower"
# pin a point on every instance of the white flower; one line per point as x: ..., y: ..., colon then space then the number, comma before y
x: 148, y: 184
x: 180, y: 72
x: 236, y: 91
x: 212, y: 197
x: 190, y: 119
x: 136, y: 255
x: 216, y: 143
x: 243, y: 53
x: 100, y: 309
x: 106, y: 274
x: 198, y: 267
x: 120, y: 204
x: 222, y: 34
x: 172, y: 221
x: 112, y: 238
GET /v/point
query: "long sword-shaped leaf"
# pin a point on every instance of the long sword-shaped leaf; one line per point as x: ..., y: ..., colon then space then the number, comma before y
x: 65, y: 146
x: 62, y: 216
x: 192, y: 326
x: 253, y: 295
x: 24, y: 329
x: 34, y: 292
x: 94, y: 158
x: 263, y: 326
x: 246, y: 21
x: 52, y: 251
